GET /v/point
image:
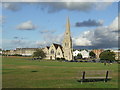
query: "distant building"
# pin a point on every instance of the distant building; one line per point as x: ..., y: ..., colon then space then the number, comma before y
x: 84, y: 53
x: 54, y: 51
x: 98, y: 52
x: 117, y: 54
x: 21, y: 51
x: 76, y: 52
x: 64, y: 51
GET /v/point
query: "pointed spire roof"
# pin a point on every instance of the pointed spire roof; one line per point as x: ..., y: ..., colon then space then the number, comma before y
x: 68, y: 26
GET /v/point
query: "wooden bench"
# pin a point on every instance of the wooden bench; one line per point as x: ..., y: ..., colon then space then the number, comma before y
x: 94, y: 76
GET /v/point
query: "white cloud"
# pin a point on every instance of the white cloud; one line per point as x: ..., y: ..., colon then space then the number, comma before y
x: 101, y: 37
x: 80, y: 41
x: 15, y: 43
x: 114, y: 24
x: 70, y: 5
x: 11, y: 6
x: 50, y: 37
x: 28, y: 25
x: 102, y: 5
x: 75, y: 6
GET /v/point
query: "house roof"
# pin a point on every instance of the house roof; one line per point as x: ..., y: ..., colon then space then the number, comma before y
x: 47, y: 47
x: 57, y: 45
x: 26, y: 48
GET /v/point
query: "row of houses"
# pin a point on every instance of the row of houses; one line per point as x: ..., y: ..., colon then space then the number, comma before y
x: 20, y: 51
x: 117, y: 54
x: 52, y: 52
x: 85, y: 53
x: 55, y: 51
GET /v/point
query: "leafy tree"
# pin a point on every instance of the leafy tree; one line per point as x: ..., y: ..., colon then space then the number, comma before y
x: 79, y: 56
x: 107, y: 56
x: 74, y: 49
x: 92, y: 54
x: 39, y: 53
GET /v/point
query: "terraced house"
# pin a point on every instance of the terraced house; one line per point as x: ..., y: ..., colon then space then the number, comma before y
x: 21, y: 51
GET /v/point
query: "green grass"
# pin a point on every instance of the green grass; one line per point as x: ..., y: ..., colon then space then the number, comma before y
x: 25, y: 73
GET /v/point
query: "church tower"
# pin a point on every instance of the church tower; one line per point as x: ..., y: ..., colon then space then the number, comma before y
x: 67, y: 43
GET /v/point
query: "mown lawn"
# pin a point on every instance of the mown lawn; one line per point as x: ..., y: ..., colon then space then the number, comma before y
x: 24, y: 73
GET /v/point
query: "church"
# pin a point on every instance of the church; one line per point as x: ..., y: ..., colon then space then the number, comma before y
x: 52, y: 52
x: 61, y: 51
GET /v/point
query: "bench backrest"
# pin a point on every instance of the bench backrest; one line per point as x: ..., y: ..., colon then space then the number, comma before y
x: 95, y: 73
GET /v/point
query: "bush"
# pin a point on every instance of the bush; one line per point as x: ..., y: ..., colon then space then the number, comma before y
x: 107, y: 56
x: 16, y: 55
x: 4, y: 55
x: 62, y: 58
x: 39, y: 53
x: 58, y: 58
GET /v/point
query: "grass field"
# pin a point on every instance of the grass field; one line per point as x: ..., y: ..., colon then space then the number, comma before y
x: 24, y: 73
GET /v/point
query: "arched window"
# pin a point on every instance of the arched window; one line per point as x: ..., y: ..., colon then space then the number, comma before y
x: 52, y: 51
x: 58, y: 53
x: 66, y: 44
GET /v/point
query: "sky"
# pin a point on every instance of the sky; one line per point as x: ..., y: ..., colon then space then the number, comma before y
x: 39, y: 24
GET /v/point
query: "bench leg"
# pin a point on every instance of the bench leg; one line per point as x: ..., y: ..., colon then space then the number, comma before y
x: 81, y: 82
x: 83, y: 77
x: 105, y: 80
x: 106, y: 76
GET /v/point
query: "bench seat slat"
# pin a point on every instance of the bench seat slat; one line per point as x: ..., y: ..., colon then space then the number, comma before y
x: 97, y: 77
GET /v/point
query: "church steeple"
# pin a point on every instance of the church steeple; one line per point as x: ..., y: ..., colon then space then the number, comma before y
x: 67, y: 42
x: 68, y: 25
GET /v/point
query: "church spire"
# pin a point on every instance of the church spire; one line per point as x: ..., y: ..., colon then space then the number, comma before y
x: 68, y: 26
x: 67, y: 42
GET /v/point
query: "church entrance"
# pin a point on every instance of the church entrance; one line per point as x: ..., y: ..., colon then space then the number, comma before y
x: 51, y: 57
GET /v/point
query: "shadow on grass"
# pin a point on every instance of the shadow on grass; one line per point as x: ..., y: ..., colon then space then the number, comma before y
x: 34, y: 71
x: 93, y: 80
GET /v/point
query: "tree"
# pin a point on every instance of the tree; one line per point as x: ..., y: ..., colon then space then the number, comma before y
x: 39, y: 53
x: 92, y: 54
x: 79, y: 56
x: 107, y: 56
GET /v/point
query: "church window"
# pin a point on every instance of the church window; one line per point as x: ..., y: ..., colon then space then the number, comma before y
x: 65, y: 44
x: 52, y: 51
x: 58, y: 53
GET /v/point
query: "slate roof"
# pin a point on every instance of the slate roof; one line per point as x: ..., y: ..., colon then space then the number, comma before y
x: 47, y: 47
x: 26, y: 48
x: 57, y: 45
